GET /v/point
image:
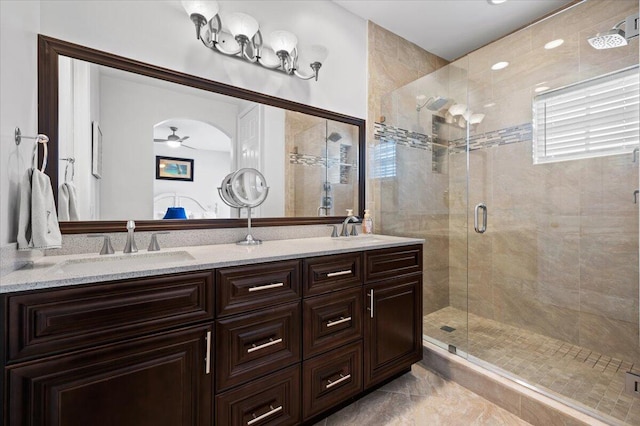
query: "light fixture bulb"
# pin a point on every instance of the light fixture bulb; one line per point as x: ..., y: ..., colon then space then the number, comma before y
x: 208, y: 9
x: 173, y: 144
x: 457, y: 109
x: 554, y: 43
x: 241, y: 24
x: 497, y: 1
x: 499, y: 65
x: 318, y: 53
x: 282, y: 41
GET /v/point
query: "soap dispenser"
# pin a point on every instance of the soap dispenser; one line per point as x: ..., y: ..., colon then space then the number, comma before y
x: 367, y: 223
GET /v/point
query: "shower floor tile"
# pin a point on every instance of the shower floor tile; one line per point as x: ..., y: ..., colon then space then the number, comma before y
x: 592, y: 379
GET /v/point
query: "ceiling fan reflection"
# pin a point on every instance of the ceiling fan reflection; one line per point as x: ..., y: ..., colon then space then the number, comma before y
x: 173, y: 140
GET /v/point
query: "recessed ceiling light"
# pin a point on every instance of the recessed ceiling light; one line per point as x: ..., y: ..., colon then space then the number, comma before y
x: 541, y: 89
x: 497, y: 1
x: 553, y: 44
x: 499, y: 65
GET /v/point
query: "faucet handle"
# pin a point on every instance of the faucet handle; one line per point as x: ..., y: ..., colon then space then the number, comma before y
x: 107, y: 248
x: 334, y: 233
x: 153, y: 245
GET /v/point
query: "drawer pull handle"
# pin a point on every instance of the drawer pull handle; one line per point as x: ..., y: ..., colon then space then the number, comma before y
x: 265, y: 287
x: 265, y: 415
x: 271, y: 342
x: 340, y: 380
x: 370, y: 308
x: 337, y: 274
x: 208, y: 357
x: 340, y: 321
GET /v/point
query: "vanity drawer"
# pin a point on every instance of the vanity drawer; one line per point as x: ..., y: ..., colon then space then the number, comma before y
x: 331, y: 320
x: 330, y: 273
x: 391, y: 262
x: 54, y: 321
x: 331, y: 379
x: 246, y: 288
x: 272, y: 400
x: 248, y: 346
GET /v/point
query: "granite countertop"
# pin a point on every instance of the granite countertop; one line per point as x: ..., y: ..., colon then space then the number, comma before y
x: 61, y: 271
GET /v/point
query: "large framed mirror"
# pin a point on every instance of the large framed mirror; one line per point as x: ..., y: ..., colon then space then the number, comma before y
x: 134, y: 139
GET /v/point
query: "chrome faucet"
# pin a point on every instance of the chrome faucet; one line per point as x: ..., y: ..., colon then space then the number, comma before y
x: 130, y: 246
x: 350, y: 218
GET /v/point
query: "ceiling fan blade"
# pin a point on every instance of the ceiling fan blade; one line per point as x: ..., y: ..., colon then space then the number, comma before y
x: 187, y: 146
x: 183, y: 139
x: 160, y: 140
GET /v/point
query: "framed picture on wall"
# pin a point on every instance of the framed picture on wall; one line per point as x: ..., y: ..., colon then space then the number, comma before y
x: 172, y: 168
x: 96, y: 153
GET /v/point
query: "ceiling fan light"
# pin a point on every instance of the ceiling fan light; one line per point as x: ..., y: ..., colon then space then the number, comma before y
x: 283, y: 41
x: 241, y: 24
x: 174, y: 144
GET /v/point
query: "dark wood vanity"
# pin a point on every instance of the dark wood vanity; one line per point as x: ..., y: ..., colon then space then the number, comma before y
x: 278, y: 343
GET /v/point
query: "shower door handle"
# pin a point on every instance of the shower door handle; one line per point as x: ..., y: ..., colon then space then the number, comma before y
x: 480, y: 229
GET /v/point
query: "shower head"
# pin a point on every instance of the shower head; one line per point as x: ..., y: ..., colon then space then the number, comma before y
x: 613, y: 38
x: 608, y: 40
x: 434, y: 103
x: 334, y: 137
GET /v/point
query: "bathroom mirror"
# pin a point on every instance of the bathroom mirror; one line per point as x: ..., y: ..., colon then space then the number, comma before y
x: 335, y: 165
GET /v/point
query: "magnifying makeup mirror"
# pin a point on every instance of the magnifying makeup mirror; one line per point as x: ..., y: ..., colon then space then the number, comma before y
x: 246, y: 188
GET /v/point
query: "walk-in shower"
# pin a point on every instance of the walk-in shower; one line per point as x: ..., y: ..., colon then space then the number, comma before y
x: 548, y: 295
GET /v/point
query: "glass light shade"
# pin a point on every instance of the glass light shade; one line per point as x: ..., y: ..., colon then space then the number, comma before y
x: 208, y: 9
x: 242, y: 24
x: 457, y: 109
x: 282, y: 40
x: 476, y: 118
x: 318, y: 53
x: 174, y: 144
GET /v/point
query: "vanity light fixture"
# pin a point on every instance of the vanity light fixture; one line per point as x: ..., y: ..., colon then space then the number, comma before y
x: 246, y: 32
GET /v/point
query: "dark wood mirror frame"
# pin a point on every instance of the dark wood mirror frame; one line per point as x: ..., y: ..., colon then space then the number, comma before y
x: 49, y: 49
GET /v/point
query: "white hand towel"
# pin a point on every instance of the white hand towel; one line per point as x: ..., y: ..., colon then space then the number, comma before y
x: 37, y: 222
x: 68, y: 202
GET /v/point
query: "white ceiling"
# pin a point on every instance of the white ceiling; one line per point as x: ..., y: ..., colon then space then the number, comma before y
x: 451, y: 28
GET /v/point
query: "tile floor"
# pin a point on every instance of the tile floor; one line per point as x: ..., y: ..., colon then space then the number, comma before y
x: 422, y: 398
x: 594, y: 380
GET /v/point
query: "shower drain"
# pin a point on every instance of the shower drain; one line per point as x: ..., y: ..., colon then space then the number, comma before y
x: 447, y: 328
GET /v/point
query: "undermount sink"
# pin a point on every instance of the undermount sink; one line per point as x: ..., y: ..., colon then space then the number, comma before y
x: 125, y: 261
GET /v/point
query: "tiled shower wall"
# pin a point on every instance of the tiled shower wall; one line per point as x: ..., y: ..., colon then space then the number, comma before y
x: 561, y: 256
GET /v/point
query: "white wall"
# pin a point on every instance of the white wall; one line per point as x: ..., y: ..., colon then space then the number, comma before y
x: 273, y: 162
x: 19, y: 26
x: 160, y: 33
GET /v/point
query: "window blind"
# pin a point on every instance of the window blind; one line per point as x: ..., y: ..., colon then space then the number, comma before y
x: 384, y: 160
x: 592, y: 118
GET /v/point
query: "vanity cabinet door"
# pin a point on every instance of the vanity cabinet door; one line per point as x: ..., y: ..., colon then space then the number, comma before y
x: 161, y: 380
x: 393, y: 327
